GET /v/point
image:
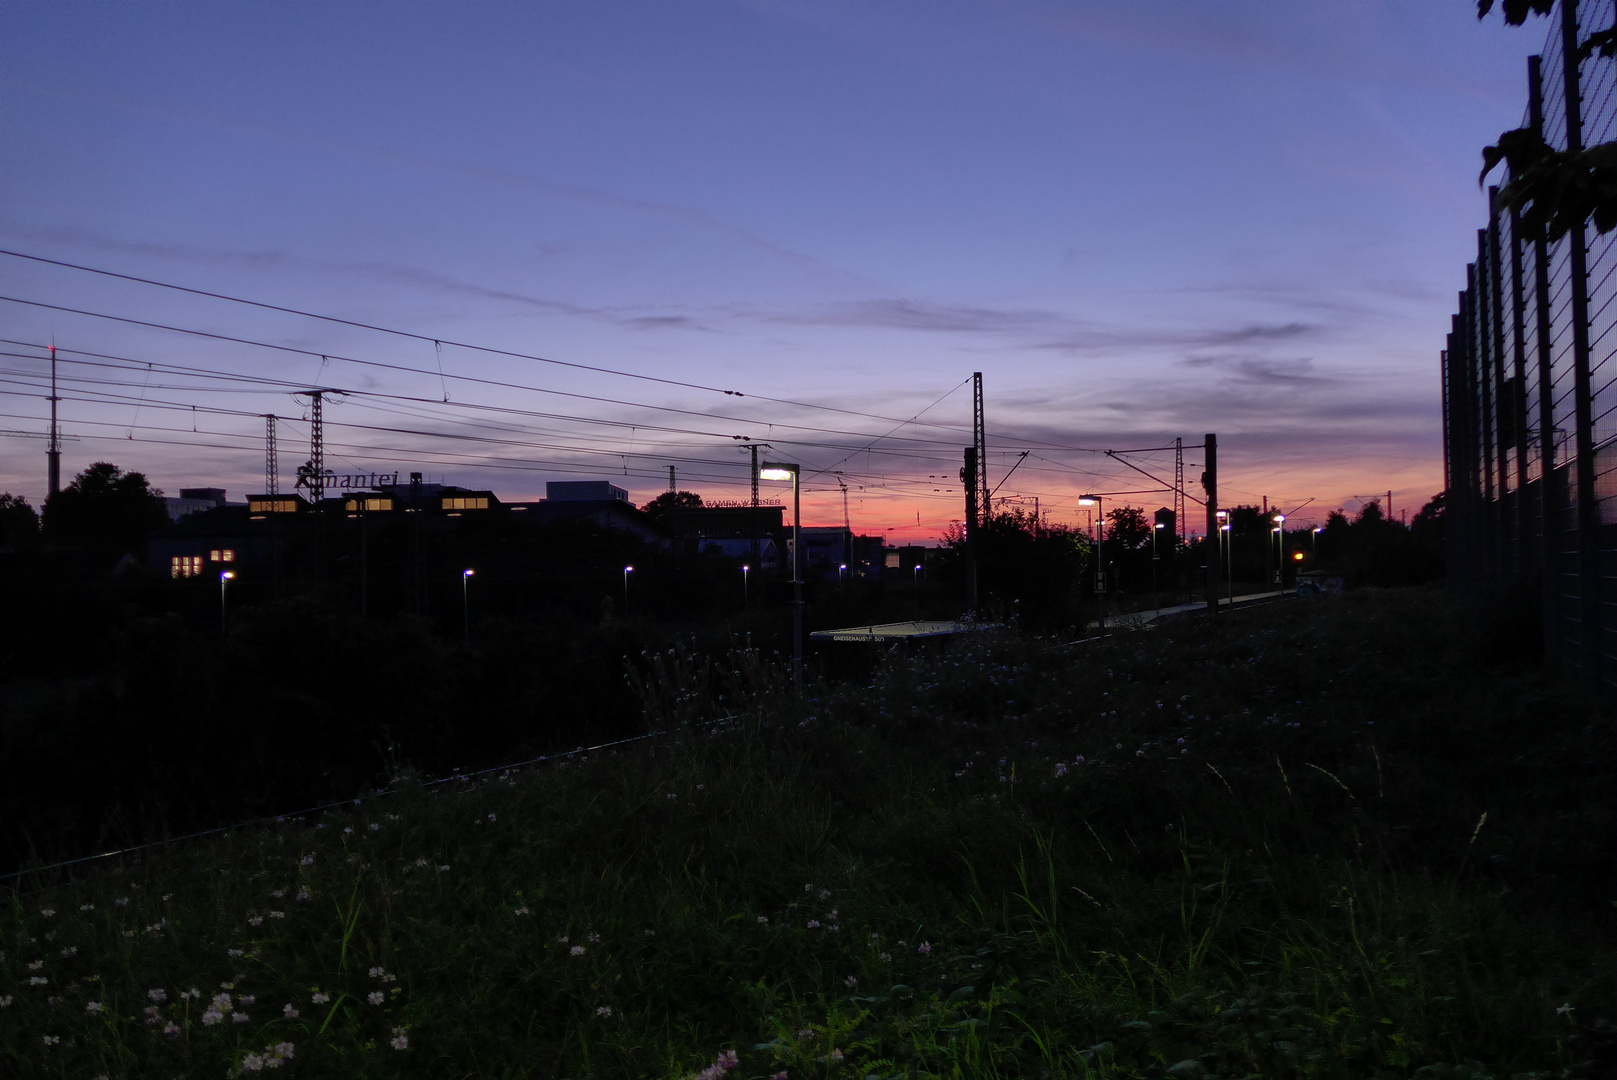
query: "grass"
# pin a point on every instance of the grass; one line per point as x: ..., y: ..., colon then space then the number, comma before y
x: 1255, y: 850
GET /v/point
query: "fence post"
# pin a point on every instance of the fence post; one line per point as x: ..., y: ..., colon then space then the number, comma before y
x: 1550, y: 499
x: 1589, y: 615
x: 1518, y: 404
x: 1502, y: 435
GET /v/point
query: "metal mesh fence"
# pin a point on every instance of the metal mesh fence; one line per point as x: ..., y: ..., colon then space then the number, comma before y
x: 1530, y: 385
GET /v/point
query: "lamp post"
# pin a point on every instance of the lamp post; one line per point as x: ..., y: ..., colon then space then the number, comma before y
x: 1226, y: 544
x: 627, y: 570
x: 1280, y: 548
x: 842, y: 573
x: 782, y: 471
x: 466, y: 603
x: 225, y: 578
x: 1100, y: 553
x: 1154, y: 530
x: 1313, y: 542
x: 744, y: 569
x: 917, y: 577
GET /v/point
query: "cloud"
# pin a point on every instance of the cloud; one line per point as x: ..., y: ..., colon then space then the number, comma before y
x: 911, y: 314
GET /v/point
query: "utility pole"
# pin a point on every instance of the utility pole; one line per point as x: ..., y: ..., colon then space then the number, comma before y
x: 671, y: 484
x: 1179, y: 522
x: 1210, y: 486
x: 53, y: 448
x: 979, y: 443
x: 968, y: 479
x: 272, y: 468
x: 847, y: 525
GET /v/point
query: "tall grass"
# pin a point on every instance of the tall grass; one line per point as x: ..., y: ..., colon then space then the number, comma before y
x: 1249, y: 851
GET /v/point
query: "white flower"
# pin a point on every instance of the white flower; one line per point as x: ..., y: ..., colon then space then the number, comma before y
x: 35, y: 965
x: 240, y: 1018
x: 246, y: 999
x: 46, y: 913
x: 377, y: 973
x: 289, y: 1012
x: 304, y: 893
x: 1563, y: 1010
x: 348, y: 830
x: 850, y: 982
x: 491, y: 817
x: 192, y: 993
x: 92, y: 1007
x: 814, y: 924
x: 925, y: 948
x: 52, y: 1040
x: 762, y: 920
x: 5, y: 1001
x: 277, y: 914
x: 375, y: 997
x: 122, y: 901
x: 521, y: 911
x: 37, y: 980
x: 252, y: 1063
x: 594, y: 938
x: 86, y: 907
x: 577, y: 950
x: 307, y: 860
x: 233, y: 953
x: 320, y: 998
x: 401, y: 1041
x: 373, y: 827
x: 421, y: 862
x: 171, y: 1028
x: 256, y: 920
x: 604, y: 1010
x: 212, y: 1016
x: 887, y: 958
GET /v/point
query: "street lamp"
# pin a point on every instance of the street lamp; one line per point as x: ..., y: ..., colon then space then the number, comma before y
x: 744, y: 569
x: 1158, y: 527
x: 842, y: 572
x: 1100, y: 553
x: 466, y: 602
x: 225, y: 578
x: 1313, y: 540
x: 776, y: 470
x: 1226, y: 537
x: 1280, y: 548
x: 627, y: 570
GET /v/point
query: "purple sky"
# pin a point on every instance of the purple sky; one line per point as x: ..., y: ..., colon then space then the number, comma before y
x: 1140, y: 221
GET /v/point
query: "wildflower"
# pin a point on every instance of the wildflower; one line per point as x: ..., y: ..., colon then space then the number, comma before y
x: 320, y: 997
x: 903, y: 945
x: 400, y: 1039
x: 246, y: 999
x: 441, y: 869
x: 375, y: 997
x: 925, y: 948
x: 814, y: 924
x: 491, y: 817
x: 256, y: 920
x: 1139, y: 753
x: 377, y: 973
x: 1079, y: 760
x: 37, y: 980
x: 373, y: 827
x: 233, y: 953
x: 875, y: 937
x: 577, y: 950
x: 886, y: 958
x: 277, y: 894
x: 762, y: 920
x: 1061, y: 769
x: 288, y: 1011
x: 834, y: 1056
x: 850, y: 982
x: 86, y: 907
x: 778, y: 1076
x: 825, y: 894
x: 252, y: 1063
x: 35, y: 965
x: 92, y: 1007
x: 191, y: 994
x: 46, y: 913
x: 171, y: 1028
x: 521, y: 911
x: 805, y: 1033
x: 212, y: 1017
x: 5, y: 1001
x: 158, y: 994
x: 562, y: 940
x: 52, y: 1040
x: 239, y: 1017
x: 222, y: 1001
x: 594, y: 938
x: 122, y: 901
x: 604, y: 1010
x: 1563, y: 1010
x: 304, y: 893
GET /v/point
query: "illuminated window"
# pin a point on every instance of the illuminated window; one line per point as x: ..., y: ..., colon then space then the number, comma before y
x: 185, y: 566
x: 465, y: 502
x: 272, y: 506
x: 222, y: 555
x: 368, y: 504
x: 892, y: 560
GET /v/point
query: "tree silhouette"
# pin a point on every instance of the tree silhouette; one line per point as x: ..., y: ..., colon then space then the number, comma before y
x: 19, y: 525
x: 105, y: 507
x: 670, y: 502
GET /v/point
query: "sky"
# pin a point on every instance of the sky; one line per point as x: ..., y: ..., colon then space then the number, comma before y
x: 593, y: 240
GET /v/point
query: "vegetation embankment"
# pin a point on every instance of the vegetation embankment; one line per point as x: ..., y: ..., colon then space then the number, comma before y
x: 1319, y: 840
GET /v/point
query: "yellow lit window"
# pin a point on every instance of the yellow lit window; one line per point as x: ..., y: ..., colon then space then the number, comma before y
x: 272, y: 506
x: 222, y: 555
x: 465, y: 502
x: 185, y: 566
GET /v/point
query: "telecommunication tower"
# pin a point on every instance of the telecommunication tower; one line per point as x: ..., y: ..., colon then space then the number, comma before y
x: 272, y: 468
x: 980, y: 445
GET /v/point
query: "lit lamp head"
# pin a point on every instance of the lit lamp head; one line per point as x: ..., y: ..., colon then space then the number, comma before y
x: 227, y: 575
x: 1159, y: 525
x: 1279, y: 519
x: 774, y: 470
x: 1088, y: 500
x: 628, y: 569
x: 467, y: 572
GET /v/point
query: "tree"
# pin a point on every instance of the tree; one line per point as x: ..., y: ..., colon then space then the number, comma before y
x: 1554, y: 190
x: 105, y: 507
x: 19, y: 525
x: 1127, y: 528
x: 671, y: 502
